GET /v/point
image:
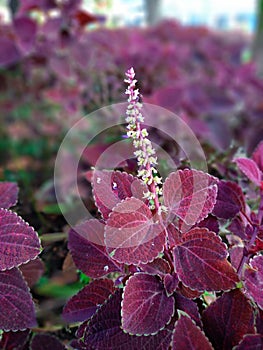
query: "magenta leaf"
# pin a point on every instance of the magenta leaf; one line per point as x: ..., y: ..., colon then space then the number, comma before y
x: 188, y: 336
x: 170, y: 282
x: 86, y: 244
x: 16, y: 305
x: 190, y: 194
x: 211, y: 223
x: 25, y: 30
x: 83, y: 305
x: 19, y: 242
x: 32, y: 271
x: 201, y: 264
x: 254, y: 280
x: 188, y: 306
x: 146, y: 308
x: 251, y: 342
x: 230, y: 200
x: 46, y: 342
x: 158, y: 267
x: 131, y: 236
x: 14, y: 340
x: 104, y: 331
x: 228, y: 319
x: 250, y: 169
x: 8, y: 194
x: 118, y: 186
x: 238, y: 227
x: 257, y: 156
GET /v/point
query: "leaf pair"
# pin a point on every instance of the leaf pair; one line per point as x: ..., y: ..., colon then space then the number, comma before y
x: 19, y: 244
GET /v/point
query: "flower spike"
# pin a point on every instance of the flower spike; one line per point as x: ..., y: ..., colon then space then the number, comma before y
x: 145, y: 154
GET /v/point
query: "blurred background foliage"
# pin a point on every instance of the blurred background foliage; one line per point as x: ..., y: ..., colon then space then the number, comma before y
x: 62, y: 59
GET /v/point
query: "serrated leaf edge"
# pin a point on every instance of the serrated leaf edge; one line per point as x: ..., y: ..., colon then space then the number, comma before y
x: 93, y: 190
x: 95, y: 313
x: 106, y: 254
x: 180, y: 313
x: 211, y: 186
x: 98, y: 306
x: 17, y: 188
x: 29, y: 291
x: 30, y: 227
x: 139, y: 261
x: 203, y: 290
x: 122, y: 298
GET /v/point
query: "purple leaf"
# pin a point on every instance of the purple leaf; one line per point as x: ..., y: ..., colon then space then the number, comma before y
x: 146, y: 308
x: 14, y: 340
x: 211, y: 223
x: 200, y: 262
x: 86, y: 244
x: 25, y: 30
x: 238, y: 227
x: 251, y: 342
x: 19, y: 242
x: 188, y: 306
x: 188, y: 292
x: 16, y: 305
x: 190, y: 194
x: 9, y: 53
x: 170, y: 283
x: 83, y: 305
x: 250, y: 169
x: 236, y: 254
x: 118, y: 186
x: 32, y: 271
x: 131, y: 236
x: 257, y: 156
x: 46, y: 342
x: 188, y: 336
x: 230, y: 200
x: 8, y: 194
x: 158, y: 267
x: 228, y: 319
x: 104, y: 331
x: 254, y: 280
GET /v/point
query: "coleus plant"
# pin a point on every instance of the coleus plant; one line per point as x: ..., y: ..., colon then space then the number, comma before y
x: 166, y: 273
x: 19, y: 268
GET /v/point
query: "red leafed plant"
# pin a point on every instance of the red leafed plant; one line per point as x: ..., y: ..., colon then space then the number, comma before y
x: 165, y: 274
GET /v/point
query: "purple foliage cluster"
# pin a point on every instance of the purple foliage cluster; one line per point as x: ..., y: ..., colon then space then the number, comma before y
x: 187, y: 286
x: 170, y: 278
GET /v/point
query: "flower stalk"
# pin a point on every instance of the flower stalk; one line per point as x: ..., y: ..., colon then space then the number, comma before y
x: 145, y: 154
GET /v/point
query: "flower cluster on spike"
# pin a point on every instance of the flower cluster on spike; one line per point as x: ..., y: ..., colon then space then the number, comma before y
x: 144, y: 153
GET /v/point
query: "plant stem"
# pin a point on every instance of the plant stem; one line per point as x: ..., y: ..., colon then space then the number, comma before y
x: 246, y: 255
